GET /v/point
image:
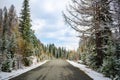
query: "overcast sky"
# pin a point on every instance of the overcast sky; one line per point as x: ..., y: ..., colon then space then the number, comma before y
x: 47, y: 21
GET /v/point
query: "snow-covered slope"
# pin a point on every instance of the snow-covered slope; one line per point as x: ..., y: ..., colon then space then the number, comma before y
x: 93, y: 74
x: 7, y: 76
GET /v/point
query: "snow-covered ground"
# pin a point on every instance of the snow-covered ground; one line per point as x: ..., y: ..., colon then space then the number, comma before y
x: 7, y: 76
x: 93, y: 74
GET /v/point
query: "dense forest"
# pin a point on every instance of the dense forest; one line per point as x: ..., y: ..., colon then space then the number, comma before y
x: 18, y: 43
x: 98, y: 24
x: 96, y: 21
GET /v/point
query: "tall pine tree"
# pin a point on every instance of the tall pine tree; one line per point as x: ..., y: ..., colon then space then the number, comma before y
x: 25, y: 20
x: 25, y: 28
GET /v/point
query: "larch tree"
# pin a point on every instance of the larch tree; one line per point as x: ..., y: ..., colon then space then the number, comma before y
x: 102, y: 23
x: 79, y: 16
x: 94, y: 18
x: 12, y: 21
x: 90, y: 17
x: 5, y: 29
x: 7, y: 40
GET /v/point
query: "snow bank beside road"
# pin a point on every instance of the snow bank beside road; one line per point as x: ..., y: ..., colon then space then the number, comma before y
x: 93, y: 74
x: 7, y: 76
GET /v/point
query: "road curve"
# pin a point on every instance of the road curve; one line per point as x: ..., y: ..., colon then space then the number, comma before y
x: 54, y: 70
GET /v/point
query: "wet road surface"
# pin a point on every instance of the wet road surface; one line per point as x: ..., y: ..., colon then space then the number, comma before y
x: 54, y: 70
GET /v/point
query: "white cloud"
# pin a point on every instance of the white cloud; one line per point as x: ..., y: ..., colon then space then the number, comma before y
x: 61, y: 34
x: 49, y: 6
x: 64, y: 35
x: 38, y: 24
x: 33, y: 1
x: 52, y: 6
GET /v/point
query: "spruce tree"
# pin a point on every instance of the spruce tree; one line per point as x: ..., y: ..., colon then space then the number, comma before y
x: 25, y: 28
x: 1, y: 29
x: 102, y: 22
x: 117, y: 38
x: 25, y: 21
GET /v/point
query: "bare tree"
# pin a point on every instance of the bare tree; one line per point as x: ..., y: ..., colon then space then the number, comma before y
x: 90, y: 17
x: 79, y: 16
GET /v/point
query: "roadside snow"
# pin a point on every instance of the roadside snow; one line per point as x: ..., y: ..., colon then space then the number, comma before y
x: 93, y: 74
x: 7, y: 76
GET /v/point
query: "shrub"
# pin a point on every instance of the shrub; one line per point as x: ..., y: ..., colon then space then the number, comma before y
x: 91, y: 60
x: 111, y: 68
x: 27, y: 61
x: 6, y: 66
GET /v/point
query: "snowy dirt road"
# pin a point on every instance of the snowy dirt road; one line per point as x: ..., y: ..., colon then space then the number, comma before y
x: 54, y: 70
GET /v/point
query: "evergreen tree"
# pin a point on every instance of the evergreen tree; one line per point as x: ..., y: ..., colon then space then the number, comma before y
x: 1, y: 22
x: 117, y: 26
x: 116, y: 23
x: 25, y: 21
x: 25, y: 29
x: 102, y: 21
x: 1, y: 29
x: 110, y: 63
